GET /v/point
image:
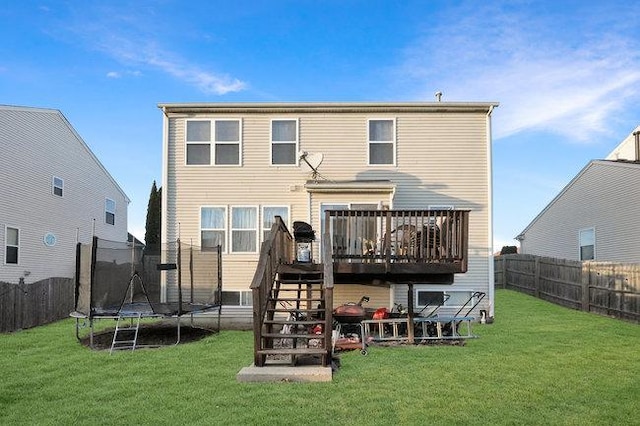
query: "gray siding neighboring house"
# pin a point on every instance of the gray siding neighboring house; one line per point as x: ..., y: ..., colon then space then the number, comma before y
x: 595, y: 217
x: 436, y: 155
x: 54, y: 193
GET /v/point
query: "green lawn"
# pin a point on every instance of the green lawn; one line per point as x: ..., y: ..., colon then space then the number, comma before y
x: 537, y: 364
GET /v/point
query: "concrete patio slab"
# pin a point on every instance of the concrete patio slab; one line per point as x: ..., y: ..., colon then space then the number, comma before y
x: 279, y: 373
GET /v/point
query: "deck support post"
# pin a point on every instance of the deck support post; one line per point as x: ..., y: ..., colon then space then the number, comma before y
x: 410, y: 313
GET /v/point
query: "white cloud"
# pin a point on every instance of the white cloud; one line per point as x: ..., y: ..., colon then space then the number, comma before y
x: 126, y: 39
x: 206, y: 81
x: 544, y: 76
x: 118, y: 74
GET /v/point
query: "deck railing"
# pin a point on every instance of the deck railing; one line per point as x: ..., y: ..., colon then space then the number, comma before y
x: 399, y: 236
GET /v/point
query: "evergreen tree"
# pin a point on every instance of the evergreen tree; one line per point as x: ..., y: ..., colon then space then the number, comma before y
x: 152, y: 236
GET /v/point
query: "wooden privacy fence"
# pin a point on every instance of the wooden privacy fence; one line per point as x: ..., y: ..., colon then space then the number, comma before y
x: 29, y: 305
x: 605, y: 288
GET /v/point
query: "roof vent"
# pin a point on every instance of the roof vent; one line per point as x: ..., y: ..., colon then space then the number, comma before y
x: 439, y: 96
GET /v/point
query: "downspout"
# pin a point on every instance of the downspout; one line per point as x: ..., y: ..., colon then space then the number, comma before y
x: 165, y: 196
x: 491, y: 289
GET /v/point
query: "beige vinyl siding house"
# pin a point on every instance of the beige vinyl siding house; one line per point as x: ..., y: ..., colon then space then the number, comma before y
x: 595, y: 216
x: 378, y: 155
x: 55, y: 192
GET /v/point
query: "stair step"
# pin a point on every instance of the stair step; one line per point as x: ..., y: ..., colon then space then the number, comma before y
x: 293, y: 351
x: 298, y: 289
x: 292, y: 336
x: 296, y: 299
x: 300, y: 281
x: 294, y: 322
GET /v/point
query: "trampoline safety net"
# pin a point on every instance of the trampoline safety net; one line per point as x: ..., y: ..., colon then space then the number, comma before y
x: 116, y: 278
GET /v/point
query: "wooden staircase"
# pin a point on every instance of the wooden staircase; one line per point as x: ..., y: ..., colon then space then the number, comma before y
x: 293, y: 297
x: 294, y: 325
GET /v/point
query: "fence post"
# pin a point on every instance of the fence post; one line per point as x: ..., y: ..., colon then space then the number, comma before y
x: 536, y: 277
x: 504, y: 272
x: 585, y: 278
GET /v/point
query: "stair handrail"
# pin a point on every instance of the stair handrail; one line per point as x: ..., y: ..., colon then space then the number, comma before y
x: 276, y: 249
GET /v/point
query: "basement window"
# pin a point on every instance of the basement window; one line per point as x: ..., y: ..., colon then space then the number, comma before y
x: 237, y: 298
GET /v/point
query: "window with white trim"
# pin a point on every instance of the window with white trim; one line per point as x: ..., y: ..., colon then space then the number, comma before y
x: 198, y: 142
x: 382, y: 142
x: 244, y: 229
x: 12, y: 245
x: 237, y: 298
x: 227, y: 142
x: 269, y: 214
x: 110, y: 211
x: 284, y: 142
x: 213, y: 229
x: 453, y: 299
x: 213, y: 142
x: 58, y: 186
x: 587, y: 243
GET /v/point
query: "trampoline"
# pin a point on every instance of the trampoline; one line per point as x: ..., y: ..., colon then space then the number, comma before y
x: 123, y: 281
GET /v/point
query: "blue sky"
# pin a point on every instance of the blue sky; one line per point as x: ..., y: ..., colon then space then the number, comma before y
x: 566, y: 74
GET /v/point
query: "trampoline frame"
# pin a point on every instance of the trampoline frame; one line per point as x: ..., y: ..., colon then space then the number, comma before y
x: 133, y: 310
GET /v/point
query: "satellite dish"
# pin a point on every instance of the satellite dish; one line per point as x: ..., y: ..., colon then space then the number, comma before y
x: 313, y: 161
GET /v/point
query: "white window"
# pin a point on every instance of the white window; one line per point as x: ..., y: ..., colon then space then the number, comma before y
x: 430, y: 299
x: 587, y: 243
x: 227, y: 141
x: 58, y: 185
x: 110, y: 211
x: 382, y: 142
x: 198, y: 138
x: 213, y: 227
x: 237, y: 298
x: 284, y: 142
x: 219, y: 139
x: 244, y: 229
x: 12, y: 245
x: 269, y: 214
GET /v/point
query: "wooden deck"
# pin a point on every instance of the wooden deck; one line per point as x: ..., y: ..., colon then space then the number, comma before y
x: 404, y: 245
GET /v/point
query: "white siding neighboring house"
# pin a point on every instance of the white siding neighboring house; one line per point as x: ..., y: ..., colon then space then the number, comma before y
x: 228, y: 168
x: 595, y: 217
x: 54, y: 193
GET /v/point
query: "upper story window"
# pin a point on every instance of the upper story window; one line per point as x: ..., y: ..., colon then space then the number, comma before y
x: 587, y: 243
x: 269, y: 214
x: 213, y: 142
x: 213, y: 229
x: 58, y: 186
x: 12, y: 245
x: 110, y: 211
x: 382, y: 142
x: 284, y: 142
x: 244, y: 229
